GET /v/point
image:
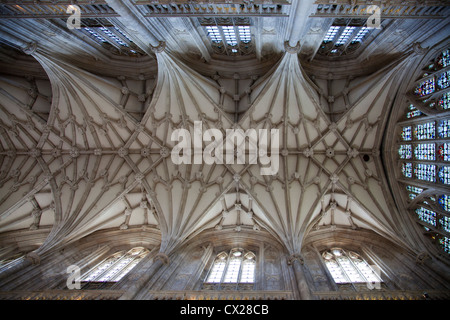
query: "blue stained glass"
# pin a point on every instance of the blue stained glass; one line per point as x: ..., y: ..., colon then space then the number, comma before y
x: 425, y: 151
x: 444, y: 201
x: 444, y: 175
x: 414, y: 189
x: 405, y: 151
x: 444, y: 101
x: 445, y: 243
x: 425, y: 87
x: 444, y: 129
x: 444, y: 151
x: 444, y: 59
x: 426, y: 172
x: 425, y: 131
x: 443, y: 80
x: 426, y: 215
x: 445, y: 223
x: 412, y: 112
x: 407, y: 169
x: 406, y: 133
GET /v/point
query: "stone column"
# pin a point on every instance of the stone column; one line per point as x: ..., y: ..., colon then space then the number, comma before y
x: 297, y: 264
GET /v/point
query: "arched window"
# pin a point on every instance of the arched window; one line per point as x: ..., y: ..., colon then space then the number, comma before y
x: 236, y: 266
x: 115, y: 267
x: 424, y: 149
x: 348, y: 267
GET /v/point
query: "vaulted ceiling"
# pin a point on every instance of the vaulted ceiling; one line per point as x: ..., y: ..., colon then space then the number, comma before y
x: 85, y: 142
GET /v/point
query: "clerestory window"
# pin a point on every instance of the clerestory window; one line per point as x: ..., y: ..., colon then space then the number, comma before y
x: 116, y: 266
x: 235, y: 266
x: 349, y: 267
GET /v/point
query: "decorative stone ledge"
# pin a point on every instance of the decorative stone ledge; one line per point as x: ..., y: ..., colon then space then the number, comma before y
x: 62, y: 295
x: 383, y: 295
x: 222, y: 295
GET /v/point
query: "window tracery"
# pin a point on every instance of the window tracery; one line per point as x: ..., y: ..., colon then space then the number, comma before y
x: 424, y: 151
x: 234, y: 267
x: 116, y: 266
x: 349, y: 267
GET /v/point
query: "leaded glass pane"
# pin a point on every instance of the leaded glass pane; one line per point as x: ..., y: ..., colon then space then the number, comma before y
x: 366, y: 270
x: 425, y: 131
x: 406, y: 133
x: 405, y: 151
x: 414, y: 189
x: 232, y: 273
x: 248, y: 271
x: 230, y: 35
x: 444, y: 101
x: 426, y: 172
x: 117, y: 266
x: 217, y: 270
x: 349, y: 269
x: 214, y: 34
x: 424, y: 151
x: 102, y: 268
x: 445, y: 243
x: 445, y: 223
x: 407, y: 169
x: 444, y: 175
x: 444, y: 151
x: 336, y: 271
x: 444, y: 59
x: 244, y: 33
x: 331, y: 33
x: 412, y: 112
x: 426, y: 215
x: 425, y: 87
x: 443, y: 80
x: 444, y: 129
x: 444, y: 201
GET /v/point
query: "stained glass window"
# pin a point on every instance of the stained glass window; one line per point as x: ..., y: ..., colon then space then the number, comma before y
x: 412, y: 112
x: 426, y: 172
x: 444, y: 221
x: 426, y: 87
x: 444, y: 59
x: 426, y: 215
x: 445, y: 243
x: 425, y: 131
x: 349, y: 267
x: 444, y: 175
x: 406, y: 133
x: 444, y: 129
x: 444, y: 101
x: 116, y: 266
x: 407, y: 169
x: 443, y: 80
x: 237, y: 266
x: 414, y: 189
x: 430, y: 146
x: 405, y: 151
x: 424, y: 151
x: 444, y: 201
x: 444, y: 151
